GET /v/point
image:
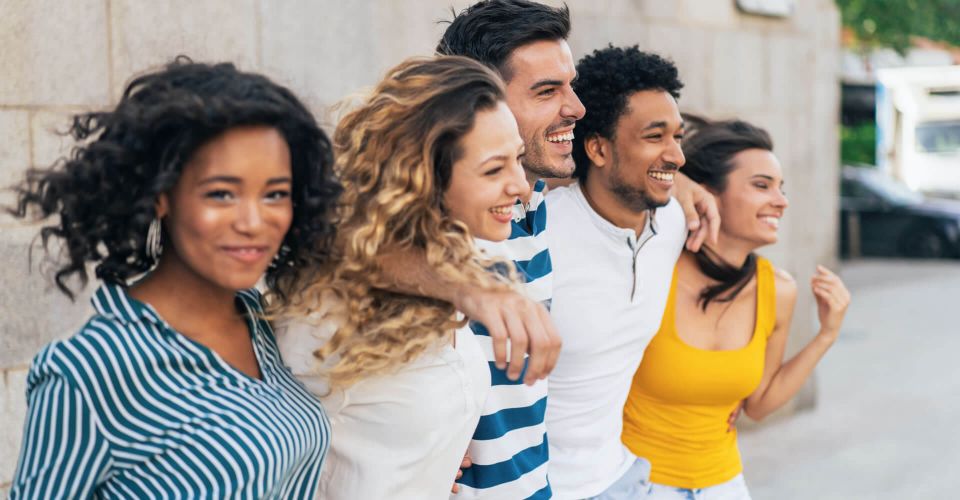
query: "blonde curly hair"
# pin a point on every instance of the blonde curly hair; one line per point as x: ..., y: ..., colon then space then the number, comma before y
x: 395, y: 156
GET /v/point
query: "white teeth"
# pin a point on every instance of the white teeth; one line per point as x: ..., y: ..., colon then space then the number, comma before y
x: 661, y: 176
x: 773, y: 221
x: 561, y: 137
x: 506, y: 210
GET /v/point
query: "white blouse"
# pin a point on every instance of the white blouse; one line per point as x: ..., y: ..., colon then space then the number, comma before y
x: 401, y: 435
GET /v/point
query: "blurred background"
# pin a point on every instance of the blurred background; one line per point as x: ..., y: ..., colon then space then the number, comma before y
x: 861, y: 96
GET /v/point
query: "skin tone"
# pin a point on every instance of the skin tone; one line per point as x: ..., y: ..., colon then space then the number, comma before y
x: 223, y: 222
x: 487, y: 180
x: 751, y: 205
x: 539, y: 79
x: 635, y: 170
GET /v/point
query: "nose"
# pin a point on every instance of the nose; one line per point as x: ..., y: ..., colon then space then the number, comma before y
x: 572, y: 107
x: 249, y: 216
x: 781, y: 200
x: 674, y: 153
x: 517, y: 185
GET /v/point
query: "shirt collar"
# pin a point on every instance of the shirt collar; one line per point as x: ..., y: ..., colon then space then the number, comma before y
x: 607, y: 226
x: 112, y: 301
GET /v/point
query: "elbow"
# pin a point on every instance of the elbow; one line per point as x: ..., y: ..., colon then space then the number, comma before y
x: 755, y: 414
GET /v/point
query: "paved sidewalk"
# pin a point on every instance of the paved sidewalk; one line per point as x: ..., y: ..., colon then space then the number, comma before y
x: 887, y: 421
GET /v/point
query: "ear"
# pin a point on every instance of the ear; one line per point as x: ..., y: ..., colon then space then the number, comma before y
x: 597, y: 149
x: 162, y: 206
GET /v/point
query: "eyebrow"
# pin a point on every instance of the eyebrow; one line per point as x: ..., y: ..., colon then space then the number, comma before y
x: 661, y: 124
x: 236, y: 180
x: 767, y: 177
x: 545, y: 83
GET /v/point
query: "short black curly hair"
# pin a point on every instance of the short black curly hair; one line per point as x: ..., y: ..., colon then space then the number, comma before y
x: 105, y: 191
x: 605, y: 81
x: 490, y: 30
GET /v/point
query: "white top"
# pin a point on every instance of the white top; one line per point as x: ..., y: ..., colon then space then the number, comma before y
x: 609, y: 291
x: 401, y: 435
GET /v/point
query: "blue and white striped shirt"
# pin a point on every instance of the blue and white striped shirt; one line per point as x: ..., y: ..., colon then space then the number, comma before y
x: 129, y: 408
x: 509, y: 447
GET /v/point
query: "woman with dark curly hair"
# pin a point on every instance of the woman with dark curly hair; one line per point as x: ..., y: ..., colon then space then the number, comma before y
x: 203, y: 178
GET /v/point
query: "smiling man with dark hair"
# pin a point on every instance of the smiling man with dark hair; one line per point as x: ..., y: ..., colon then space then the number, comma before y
x: 615, y: 237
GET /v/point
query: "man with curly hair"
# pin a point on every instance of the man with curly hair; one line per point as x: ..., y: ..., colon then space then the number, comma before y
x: 615, y: 236
x: 526, y: 43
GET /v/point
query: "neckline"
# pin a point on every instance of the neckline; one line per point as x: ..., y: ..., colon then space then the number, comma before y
x: 672, y: 312
x: 252, y: 329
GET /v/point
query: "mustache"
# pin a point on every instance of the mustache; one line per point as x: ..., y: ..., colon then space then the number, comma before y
x: 669, y: 167
x: 564, y: 124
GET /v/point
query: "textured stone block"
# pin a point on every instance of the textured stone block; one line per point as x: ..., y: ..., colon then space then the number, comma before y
x: 688, y: 48
x: 13, y: 409
x: 738, y: 72
x: 323, y: 49
x: 789, y: 81
x: 147, y: 35
x: 54, y: 53
x: 710, y: 12
x: 48, y: 130
x: 34, y: 310
x: 14, y: 155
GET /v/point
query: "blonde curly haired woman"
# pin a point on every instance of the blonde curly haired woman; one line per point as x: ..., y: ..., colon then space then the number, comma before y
x: 429, y: 161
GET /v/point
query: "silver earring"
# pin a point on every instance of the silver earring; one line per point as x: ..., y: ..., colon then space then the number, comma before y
x: 154, y: 245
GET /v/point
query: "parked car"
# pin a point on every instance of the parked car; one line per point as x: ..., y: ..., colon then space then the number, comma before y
x: 880, y: 217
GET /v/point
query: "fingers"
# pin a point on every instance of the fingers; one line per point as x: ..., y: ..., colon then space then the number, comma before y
x: 465, y: 463
x: 555, y: 342
x: 537, y: 360
x: 498, y: 337
x: 712, y: 215
x: 519, y: 342
x: 696, y: 238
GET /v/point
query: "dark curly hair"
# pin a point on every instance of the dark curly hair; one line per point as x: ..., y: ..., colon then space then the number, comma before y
x: 709, y: 148
x: 105, y: 191
x: 490, y: 30
x: 606, y: 80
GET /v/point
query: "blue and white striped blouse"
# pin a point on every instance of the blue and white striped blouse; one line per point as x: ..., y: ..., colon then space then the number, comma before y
x: 129, y: 408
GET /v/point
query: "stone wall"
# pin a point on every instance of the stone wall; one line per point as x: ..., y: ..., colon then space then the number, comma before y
x: 61, y: 57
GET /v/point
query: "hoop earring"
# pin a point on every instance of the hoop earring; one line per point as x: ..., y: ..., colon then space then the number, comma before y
x: 154, y: 245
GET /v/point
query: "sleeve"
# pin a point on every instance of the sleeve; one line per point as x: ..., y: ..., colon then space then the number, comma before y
x: 63, y: 453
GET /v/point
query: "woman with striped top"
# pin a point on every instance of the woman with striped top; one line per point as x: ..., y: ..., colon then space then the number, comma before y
x: 200, y: 177
x: 428, y: 161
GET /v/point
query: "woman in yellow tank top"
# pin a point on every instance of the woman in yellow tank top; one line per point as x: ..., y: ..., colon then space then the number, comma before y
x: 724, y: 329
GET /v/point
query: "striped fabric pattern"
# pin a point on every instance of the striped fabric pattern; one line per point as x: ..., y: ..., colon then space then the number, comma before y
x: 509, y: 447
x: 129, y: 408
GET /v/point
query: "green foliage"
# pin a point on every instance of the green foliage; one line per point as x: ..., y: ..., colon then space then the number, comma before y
x: 890, y: 23
x: 858, y: 144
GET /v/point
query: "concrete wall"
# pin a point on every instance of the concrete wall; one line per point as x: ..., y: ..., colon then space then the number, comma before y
x: 61, y: 57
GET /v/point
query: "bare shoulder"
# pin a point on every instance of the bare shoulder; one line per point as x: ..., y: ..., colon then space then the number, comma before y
x: 785, y: 282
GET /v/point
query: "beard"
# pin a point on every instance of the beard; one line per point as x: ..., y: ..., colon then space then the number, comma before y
x: 536, y: 161
x: 634, y: 198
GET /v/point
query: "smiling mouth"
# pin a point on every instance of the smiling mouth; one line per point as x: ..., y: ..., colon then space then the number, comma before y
x: 246, y: 254
x: 661, y: 176
x: 771, y: 221
x: 561, y: 137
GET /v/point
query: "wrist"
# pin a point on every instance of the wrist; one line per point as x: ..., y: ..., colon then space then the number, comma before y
x: 828, y: 336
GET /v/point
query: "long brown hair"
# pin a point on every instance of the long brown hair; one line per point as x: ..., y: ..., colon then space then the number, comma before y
x: 395, y: 154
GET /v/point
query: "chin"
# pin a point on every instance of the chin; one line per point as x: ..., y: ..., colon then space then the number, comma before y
x: 498, y: 235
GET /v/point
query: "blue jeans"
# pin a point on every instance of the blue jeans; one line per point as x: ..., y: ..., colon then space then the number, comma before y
x: 633, y: 484
x: 734, y: 489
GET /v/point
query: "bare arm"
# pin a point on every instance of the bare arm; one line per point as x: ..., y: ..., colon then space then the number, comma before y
x: 781, y: 382
x: 700, y: 210
x: 505, y: 314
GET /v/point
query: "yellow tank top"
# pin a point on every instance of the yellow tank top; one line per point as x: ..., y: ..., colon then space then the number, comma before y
x: 681, y: 397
